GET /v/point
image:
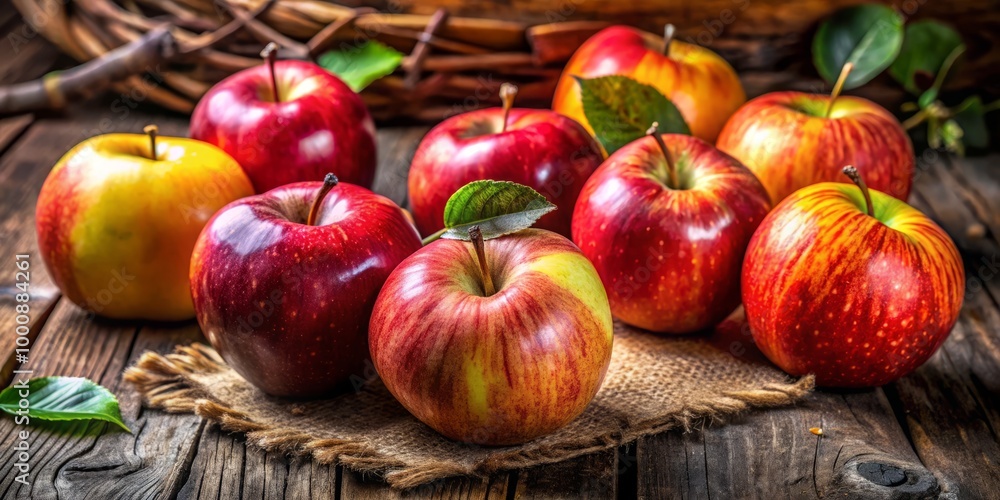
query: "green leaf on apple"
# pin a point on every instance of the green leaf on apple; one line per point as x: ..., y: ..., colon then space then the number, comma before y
x: 62, y: 399
x: 620, y: 110
x: 497, y: 207
x: 359, y: 66
x: 869, y: 35
x: 926, y: 47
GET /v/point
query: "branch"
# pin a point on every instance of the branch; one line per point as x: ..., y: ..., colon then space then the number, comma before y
x: 58, y: 88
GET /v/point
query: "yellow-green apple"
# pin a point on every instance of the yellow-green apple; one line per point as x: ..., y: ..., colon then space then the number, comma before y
x: 493, y: 343
x: 284, y: 282
x: 793, y: 139
x: 537, y: 148
x: 289, y: 121
x: 850, y: 284
x: 702, y: 85
x: 666, y: 220
x: 117, y: 222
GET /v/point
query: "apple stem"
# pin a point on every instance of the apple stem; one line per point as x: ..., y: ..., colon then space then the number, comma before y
x: 329, y: 182
x: 507, y: 93
x: 669, y: 30
x: 270, y: 54
x: 476, y: 236
x: 151, y: 131
x: 654, y: 131
x: 855, y: 176
x: 838, y: 87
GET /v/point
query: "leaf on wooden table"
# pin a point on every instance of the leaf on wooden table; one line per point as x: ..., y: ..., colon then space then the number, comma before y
x: 62, y: 399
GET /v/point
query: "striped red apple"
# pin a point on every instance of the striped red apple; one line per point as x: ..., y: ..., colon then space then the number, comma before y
x: 495, y: 342
x: 702, y: 85
x: 793, y: 139
x: 850, y: 284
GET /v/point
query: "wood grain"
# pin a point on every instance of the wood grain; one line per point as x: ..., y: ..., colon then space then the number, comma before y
x: 730, y: 461
x: 952, y: 403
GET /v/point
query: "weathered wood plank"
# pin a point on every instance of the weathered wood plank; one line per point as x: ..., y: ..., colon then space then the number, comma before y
x: 153, y: 461
x: 951, y: 404
x: 396, y: 146
x: 772, y: 454
x: 356, y: 485
x: 71, y: 344
x: 589, y: 476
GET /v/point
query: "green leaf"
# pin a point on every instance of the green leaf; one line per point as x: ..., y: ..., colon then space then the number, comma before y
x: 868, y: 35
x: 620, y: 110
x: 926, y: 46
x: 62, y: 398
x: 971, y: 120
x: 360, y: 66
x: 497, y: 207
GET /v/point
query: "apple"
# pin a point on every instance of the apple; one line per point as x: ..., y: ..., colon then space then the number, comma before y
x: 493, y: 343
x: 537, y: 148
x: 666, y: 220
x: 117, y: 222
x: 850, y: 284
x: 793, y: 139
x: 289, y: 121
x: 284, y: 291
x: 702, y: 85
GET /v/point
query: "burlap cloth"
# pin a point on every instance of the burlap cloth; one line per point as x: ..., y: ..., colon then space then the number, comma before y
x: 653, y: 384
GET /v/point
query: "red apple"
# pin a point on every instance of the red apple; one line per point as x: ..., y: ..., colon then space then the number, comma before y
x: 702, y: 85
x: 537, y: 148
x: 791, y: 140
x: 665, y: 222
x: 284, y: 291
x: 317, y: 124
x: 117, y: 223
x: 494, y: 361
x: 859, y: 292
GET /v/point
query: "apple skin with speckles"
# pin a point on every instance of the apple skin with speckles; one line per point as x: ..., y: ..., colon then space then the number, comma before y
x: 669, y: 258
x: 703, y: 86
x: 540, y: 149
x: 787, y: 142
x: 500, y: 369
x: 857, y: 300
x: 319, y: 125
x: 287, y: 304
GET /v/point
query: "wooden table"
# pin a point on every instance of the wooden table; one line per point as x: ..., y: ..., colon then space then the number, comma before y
x: 934, y: 432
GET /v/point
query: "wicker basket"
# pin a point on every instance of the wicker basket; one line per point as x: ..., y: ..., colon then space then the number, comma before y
x: 454, y: 64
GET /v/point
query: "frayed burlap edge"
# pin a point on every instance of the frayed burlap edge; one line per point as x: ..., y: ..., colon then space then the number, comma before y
x: 161, y: 380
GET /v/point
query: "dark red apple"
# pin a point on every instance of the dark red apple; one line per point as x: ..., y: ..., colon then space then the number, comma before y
x: 540, y: 149
x: 284, y: 291
x: 314, y: 125
x: 666, y: 225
